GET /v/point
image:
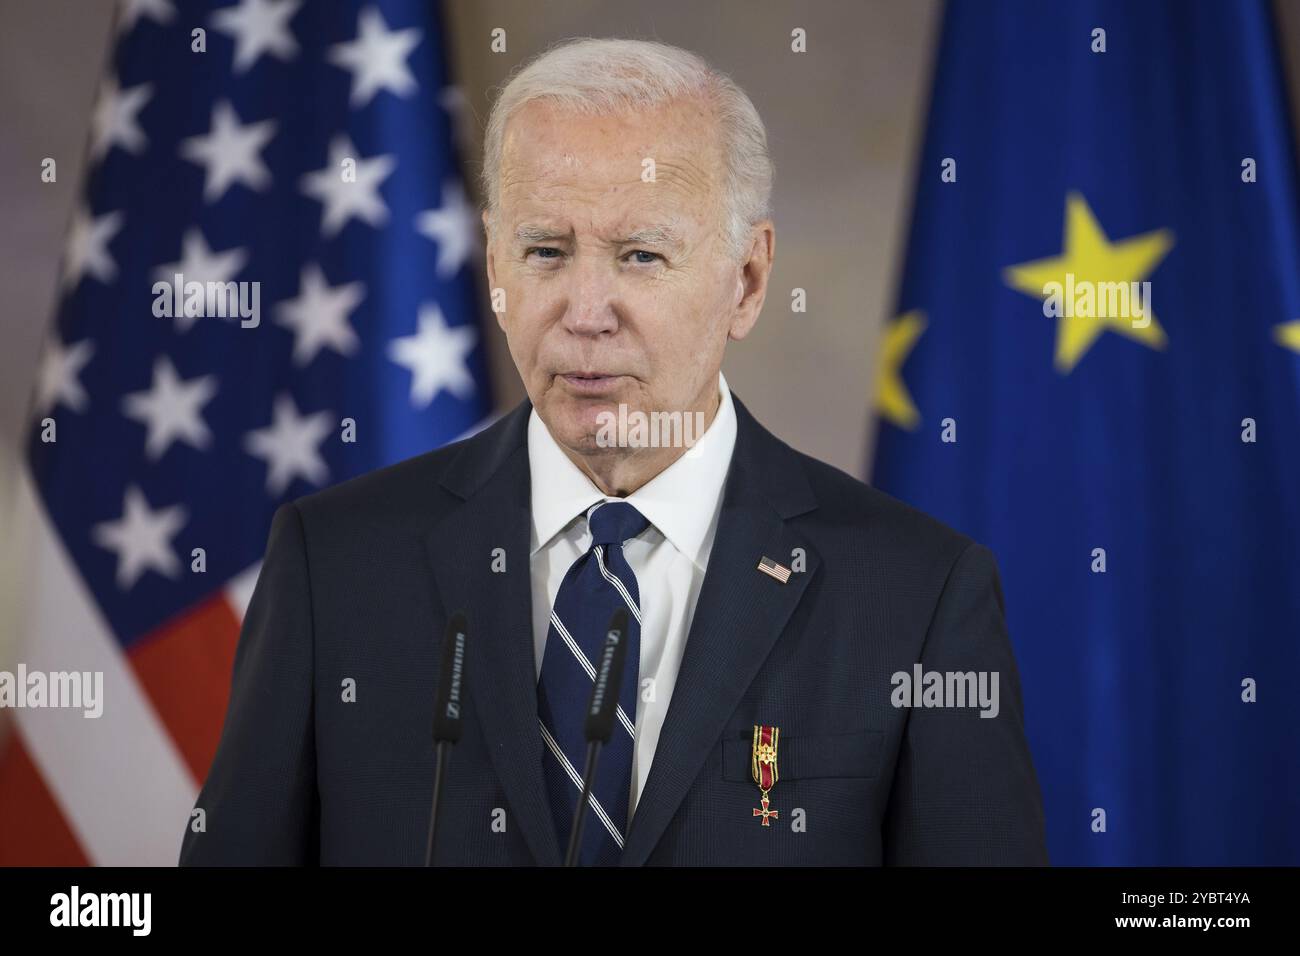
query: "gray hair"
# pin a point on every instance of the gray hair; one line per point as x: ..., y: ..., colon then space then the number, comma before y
x: 594, y: 76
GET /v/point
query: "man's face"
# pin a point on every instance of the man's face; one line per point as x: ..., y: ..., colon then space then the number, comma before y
x: 617, y: 290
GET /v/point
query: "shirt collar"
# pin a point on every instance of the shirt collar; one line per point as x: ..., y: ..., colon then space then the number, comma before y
x: 681, y: 501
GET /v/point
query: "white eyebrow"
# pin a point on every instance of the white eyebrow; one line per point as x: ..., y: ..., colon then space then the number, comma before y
x: 533, y: 233
x: 653, y: 236
x: 649, y: 236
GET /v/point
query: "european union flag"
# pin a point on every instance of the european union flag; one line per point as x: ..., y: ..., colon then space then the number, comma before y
x: 1095, y: 370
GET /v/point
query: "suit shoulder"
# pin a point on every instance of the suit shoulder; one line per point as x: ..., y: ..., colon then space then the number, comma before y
x: 405, y: 488
x: 847, y: 501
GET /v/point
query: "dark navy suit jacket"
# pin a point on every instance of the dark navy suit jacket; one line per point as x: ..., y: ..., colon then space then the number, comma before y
x: 360, y: 579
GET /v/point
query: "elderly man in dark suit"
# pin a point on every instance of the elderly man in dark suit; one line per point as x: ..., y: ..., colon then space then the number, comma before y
x: 817, y: 673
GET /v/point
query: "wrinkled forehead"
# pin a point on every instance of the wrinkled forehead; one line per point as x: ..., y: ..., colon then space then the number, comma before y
x: 558, y: 162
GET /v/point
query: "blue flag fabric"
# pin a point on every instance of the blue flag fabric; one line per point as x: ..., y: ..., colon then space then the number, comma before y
x: 304, y: 153
x: 1095, y: 370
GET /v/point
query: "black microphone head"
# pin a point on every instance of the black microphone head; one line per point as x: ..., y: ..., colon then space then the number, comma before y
x: 451, y: 680
x: 609, y: 679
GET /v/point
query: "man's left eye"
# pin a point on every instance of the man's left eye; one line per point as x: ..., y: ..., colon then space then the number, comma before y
x: 652, y: 256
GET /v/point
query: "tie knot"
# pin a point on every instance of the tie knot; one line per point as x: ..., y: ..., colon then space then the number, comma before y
x: 613, y: 522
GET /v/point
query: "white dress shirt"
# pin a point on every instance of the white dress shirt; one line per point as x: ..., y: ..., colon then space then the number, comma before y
x: 669, y: 558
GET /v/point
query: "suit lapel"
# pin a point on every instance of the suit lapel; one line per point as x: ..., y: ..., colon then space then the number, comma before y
x: 492, y: 474
x: 739, y: 616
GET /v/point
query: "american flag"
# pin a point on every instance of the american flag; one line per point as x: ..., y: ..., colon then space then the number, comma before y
x: 298, y: 156
x: 774, y: 570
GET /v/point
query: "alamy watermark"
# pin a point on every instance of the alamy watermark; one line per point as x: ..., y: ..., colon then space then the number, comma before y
x: 74, y: 908
x: 1098, y: 300
x: 193, y: 299
x: 922, y: 688
x: 82, y: 690
x: 637, y: 429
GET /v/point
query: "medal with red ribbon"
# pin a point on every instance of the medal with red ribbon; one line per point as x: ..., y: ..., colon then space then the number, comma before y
x: 763, y: 765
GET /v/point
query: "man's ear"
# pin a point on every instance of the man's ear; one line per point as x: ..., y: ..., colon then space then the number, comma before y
x: 751, y: 289
x: 490, y: 256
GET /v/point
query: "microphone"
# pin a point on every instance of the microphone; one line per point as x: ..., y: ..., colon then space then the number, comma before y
x: 446, y: 711
x: 601, y: 712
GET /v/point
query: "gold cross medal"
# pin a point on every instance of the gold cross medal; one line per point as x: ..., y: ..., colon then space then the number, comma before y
x: 763, y: 765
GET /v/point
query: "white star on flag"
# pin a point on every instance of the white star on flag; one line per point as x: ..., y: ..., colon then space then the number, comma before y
x: 200, y: 264
x: 116, y: 122
x: 133, y: 10
x: 141, y: 538
x: 435, y: 356
x: 377, y: 58
x: 289, y: 446
x: 451, y: 226
x: 171, y: 409
x: 57, y: 380
x: 87, y: 252
x: 259, y: 26
x: 318, y: 317
x: 229, y: 152
x: 357, y: 196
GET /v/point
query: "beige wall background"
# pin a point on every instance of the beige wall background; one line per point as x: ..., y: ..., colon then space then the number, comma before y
x: 843, y: 121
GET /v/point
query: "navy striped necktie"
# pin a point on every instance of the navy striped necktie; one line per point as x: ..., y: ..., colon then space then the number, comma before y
x: 595, y: 586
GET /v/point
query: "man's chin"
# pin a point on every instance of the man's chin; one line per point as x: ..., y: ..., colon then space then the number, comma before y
x: 578, y: 424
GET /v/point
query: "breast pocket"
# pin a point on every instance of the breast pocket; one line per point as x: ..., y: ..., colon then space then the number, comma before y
x: 808, y: 755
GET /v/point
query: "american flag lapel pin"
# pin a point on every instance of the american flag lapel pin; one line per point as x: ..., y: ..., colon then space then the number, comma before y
x: 772, y: 569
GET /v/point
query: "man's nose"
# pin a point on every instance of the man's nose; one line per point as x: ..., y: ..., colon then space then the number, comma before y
x: 589, y: 309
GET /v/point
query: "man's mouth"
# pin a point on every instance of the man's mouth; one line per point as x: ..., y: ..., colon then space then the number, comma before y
x: 590, y: 383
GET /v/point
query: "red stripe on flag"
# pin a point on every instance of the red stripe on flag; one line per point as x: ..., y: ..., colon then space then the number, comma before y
x: 185, y: 668
x: 33, y: 831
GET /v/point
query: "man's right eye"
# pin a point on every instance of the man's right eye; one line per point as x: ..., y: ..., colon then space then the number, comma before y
x: 544, y: 249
